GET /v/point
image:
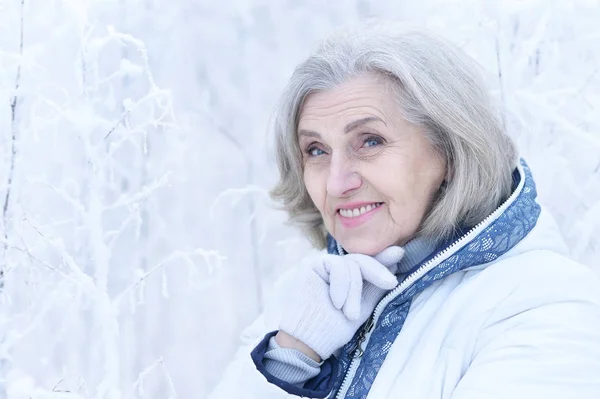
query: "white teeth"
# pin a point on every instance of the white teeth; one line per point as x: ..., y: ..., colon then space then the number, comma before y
x: 352, y: 213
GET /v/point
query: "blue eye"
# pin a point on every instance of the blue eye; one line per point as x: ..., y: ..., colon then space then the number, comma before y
x: 314, y: 151
x: 372, y: 141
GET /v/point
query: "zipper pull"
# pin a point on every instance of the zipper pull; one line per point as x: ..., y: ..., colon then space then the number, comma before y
x: 358, y: 350
x: 369, y: 326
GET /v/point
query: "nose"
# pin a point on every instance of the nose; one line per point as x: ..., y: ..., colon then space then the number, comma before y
x: 343, y: 179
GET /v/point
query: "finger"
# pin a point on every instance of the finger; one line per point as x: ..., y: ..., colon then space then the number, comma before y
x: 339, y: 280
x: 354, y: 296
x: 375, y: 273
x: 321, y: 267
x: 390, y: 256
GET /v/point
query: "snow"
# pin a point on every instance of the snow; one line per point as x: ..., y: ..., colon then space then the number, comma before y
x: 138, y: 237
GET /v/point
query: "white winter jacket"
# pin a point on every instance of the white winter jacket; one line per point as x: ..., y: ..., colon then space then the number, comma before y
x: 499, y: 313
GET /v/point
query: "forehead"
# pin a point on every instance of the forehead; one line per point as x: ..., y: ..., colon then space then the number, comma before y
x: 362, y: 96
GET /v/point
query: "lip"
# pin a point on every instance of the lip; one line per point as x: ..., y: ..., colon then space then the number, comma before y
x: 357, y: 221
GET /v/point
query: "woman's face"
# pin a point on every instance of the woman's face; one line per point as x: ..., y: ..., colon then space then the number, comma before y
x: 370, y: 173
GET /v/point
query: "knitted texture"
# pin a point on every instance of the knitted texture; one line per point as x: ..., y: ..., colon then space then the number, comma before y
x: 334, y: 295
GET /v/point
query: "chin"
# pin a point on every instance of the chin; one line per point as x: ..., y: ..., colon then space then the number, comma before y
x: 364, y: 247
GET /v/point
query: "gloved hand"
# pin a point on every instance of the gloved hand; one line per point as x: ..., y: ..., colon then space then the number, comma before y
x: 335, y: 295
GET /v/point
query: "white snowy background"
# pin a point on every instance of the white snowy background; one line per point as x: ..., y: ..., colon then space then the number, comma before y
x: 137, y: 236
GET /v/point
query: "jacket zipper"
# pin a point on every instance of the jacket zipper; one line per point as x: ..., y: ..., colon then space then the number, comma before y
x: 365, y: 334
x: 357, y: 349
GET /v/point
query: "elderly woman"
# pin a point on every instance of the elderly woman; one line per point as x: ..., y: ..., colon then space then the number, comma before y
x: 443, y: 277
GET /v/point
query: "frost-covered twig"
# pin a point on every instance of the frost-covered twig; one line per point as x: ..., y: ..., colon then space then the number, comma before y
x: 112, y: 235
x: 35, y: 317
x: 237, y: 194
x: 4, y: 356
x: 169, y: 379
x: 142, y: 195
x: 535, y: 102
x: 49, y: 266
x: 138, y: 385
x: 57, y: 245
x: 125, y: 115
x: 186, y: 256
x: 256, y: 261
x: 13, y: 140
x: 77, y: 206
x: 141, y: 46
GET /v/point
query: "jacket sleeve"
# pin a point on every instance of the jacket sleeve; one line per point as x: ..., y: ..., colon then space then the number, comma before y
x: 289, y: 365
x: 247, y: 377
x: 241, y: 378
x: 541, y: 342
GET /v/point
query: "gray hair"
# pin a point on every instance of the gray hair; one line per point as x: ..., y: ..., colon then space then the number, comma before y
x: 438, y: 88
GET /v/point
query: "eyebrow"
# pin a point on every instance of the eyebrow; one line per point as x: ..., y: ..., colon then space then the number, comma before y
x: 349, y: 127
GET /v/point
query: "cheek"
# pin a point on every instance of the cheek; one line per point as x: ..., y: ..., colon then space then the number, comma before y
x: 406, y: 195
x: 411, y: 201
x: 314, y: 187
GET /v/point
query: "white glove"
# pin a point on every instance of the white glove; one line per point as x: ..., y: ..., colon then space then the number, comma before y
x: 335, y: 295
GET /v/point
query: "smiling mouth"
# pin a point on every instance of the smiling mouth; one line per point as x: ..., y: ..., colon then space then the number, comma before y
x: 359, y: 211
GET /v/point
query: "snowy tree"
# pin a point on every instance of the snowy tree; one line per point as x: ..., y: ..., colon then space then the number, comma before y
x: 137, y: 234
